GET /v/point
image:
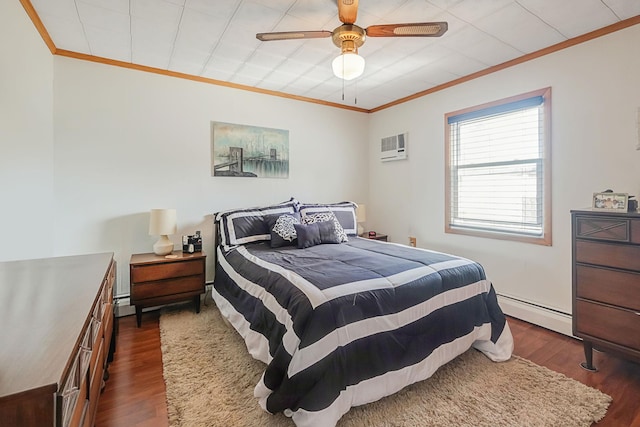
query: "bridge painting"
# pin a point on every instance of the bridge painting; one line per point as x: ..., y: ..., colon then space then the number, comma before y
x: 249, y: 151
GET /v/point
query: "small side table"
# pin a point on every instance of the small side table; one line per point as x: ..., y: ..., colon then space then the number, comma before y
x: 378, y: 236
x: 157, y: 280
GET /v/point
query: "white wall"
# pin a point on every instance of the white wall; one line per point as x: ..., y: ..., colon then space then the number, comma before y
x: 595, y: 97
x: 128, y: 141
x: 26, y: 137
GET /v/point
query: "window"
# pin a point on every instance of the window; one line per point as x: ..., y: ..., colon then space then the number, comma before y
x: 498, y: 169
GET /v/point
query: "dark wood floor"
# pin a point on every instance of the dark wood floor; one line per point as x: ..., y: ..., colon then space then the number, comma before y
x: 135, y: 392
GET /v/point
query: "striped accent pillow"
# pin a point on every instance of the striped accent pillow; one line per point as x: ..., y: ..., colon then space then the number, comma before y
x: 345, y: 213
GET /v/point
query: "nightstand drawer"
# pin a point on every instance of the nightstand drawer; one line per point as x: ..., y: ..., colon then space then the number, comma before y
x: 147, y: 273
x: 608, y: 323
x: 608, y: 254
x: 609, y: 286
x: 141, y: 291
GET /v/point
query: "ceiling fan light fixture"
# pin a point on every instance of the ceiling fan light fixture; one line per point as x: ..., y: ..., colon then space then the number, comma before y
x: 348, y: 65
x: 349, y: 37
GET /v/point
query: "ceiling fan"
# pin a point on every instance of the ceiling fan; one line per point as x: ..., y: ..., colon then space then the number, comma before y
x: 349, y: 37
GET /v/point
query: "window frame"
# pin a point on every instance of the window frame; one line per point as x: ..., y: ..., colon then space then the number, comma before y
x: 545, y: 238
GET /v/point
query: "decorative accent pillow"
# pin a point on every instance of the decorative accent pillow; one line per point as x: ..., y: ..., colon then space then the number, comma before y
x: 326, y: 216
x: 316, y: 233
x: 240, y: 226
x: 345, y: 213
x: 281, y: 229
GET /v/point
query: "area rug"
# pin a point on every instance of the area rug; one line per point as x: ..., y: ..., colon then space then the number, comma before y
x: 210, y: 378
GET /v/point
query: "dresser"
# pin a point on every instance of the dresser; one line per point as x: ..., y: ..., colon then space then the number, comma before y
x: 158, y: 280
x: 606, y: 282
x: 56, y: 334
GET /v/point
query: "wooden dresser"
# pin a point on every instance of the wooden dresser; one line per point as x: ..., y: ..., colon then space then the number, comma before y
x: 606, y: 282
x: 57, y: 323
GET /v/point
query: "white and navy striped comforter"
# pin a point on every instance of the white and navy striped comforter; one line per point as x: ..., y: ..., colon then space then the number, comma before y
x: 347, y: 324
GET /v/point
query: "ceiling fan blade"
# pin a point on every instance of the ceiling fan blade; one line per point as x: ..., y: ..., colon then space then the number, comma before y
x: 418, y: 29
x: 348, y: 11
x: 293, y: 35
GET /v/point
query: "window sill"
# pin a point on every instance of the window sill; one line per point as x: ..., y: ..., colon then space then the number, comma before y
x: 542, y: 240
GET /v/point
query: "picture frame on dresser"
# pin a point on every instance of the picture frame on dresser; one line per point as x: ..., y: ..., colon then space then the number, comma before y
x: 612, y: 202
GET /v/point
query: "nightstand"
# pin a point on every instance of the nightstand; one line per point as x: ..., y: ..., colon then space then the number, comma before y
x: 381, y: 237
x: 157, y: 280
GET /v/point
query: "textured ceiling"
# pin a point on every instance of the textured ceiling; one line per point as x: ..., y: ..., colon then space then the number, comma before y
x: 215, y: 39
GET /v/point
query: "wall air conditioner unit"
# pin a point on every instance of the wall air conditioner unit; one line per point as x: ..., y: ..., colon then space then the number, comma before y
x: 394, y: 147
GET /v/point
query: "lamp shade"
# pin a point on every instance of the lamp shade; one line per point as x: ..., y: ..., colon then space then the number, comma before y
x: 348, y: 65
x: 361, y: 213
x: 162, y: 222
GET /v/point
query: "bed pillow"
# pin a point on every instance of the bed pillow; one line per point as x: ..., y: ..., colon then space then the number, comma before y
x: 240, y: 226
x: 281, y: 228
x: 326, y: 216
x: 345, y: 213
x: 316, y: 234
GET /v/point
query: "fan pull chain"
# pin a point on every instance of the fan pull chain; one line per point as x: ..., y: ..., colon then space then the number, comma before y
x: 355, y: 96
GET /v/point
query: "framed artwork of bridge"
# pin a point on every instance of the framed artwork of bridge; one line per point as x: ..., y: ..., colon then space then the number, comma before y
x: 249, y: 151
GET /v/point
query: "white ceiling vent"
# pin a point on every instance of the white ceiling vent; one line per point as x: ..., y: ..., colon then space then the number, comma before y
x: 394, y: 147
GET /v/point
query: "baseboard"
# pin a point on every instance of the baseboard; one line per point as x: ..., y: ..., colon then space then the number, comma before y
x: 538, y: 315
x: 124, y: 307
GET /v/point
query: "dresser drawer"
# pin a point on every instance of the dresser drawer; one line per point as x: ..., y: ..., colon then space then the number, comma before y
x: 97, y: 342
x: 95, y: 384
x: 73, y: 395
x: 609, y: 286
x: 608, y: 254
x: 140, y: 291
x: 108, y: 327
x: 617, y: 229
x: 608, y: 323
x: 151, y: 272
x: 608, y: 229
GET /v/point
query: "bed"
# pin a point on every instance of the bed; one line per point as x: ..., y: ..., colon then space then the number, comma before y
x: 339, y: 320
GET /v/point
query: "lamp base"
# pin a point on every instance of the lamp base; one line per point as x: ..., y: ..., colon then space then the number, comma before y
x: 163, y: 246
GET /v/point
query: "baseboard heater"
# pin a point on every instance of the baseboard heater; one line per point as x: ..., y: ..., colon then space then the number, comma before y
x: 537, y: 314
x: 126, y: 309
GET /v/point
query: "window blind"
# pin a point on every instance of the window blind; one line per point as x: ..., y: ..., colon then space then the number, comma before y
x: 496, y: 168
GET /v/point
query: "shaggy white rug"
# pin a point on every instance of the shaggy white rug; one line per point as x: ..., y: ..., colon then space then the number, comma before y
x: 210, y: 379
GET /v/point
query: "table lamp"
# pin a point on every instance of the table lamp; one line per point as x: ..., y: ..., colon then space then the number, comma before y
x: 361, y: 216
x: 162, y: 222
